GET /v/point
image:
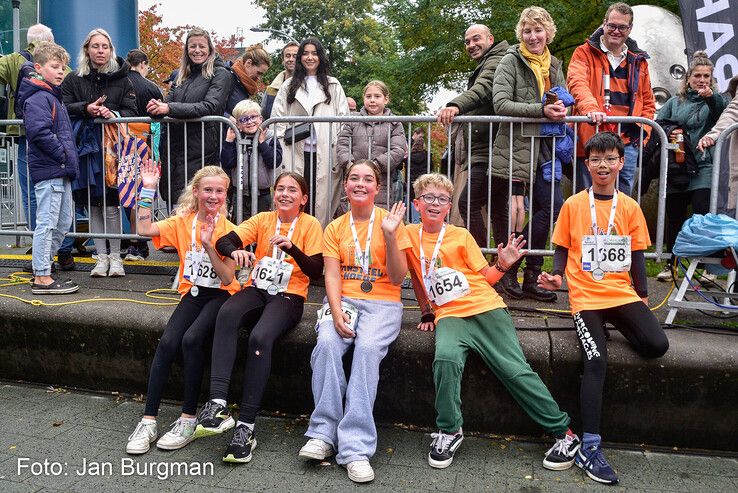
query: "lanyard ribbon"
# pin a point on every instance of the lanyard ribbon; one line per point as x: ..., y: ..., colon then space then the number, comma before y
x: 427, y: 274
x: 363, y: 258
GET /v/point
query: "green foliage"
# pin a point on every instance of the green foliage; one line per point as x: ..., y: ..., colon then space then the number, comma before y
x: 416, y: 46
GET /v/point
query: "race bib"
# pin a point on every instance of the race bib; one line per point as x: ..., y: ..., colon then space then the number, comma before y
x: 613, y: 254
x: 272, y: 274
x: 206, y: 275
x: 446, y: 284
x: 325, y: 315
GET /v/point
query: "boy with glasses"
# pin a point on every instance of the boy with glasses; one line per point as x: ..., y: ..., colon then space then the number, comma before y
x: 600, y: 237
x: 608, y: 76
x: 247, y: 116
x: 451, y: 277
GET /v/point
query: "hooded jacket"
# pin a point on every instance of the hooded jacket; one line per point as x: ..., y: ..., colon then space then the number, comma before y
x: 51, y: 148
x: 78, y: 92
x: 516, y: 93
x: 477, y: 100
x: 584, y: 80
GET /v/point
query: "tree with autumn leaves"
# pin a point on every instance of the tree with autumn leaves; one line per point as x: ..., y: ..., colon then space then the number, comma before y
x: 164, y: 45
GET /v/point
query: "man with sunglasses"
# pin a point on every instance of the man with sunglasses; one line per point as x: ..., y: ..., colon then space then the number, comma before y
x: 611, y: 57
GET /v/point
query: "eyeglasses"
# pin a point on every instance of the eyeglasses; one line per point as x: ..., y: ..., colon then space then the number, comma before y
x: 441, y: 199
x: 597, y: 160
x: 623, y: 28
x: 245, y: 120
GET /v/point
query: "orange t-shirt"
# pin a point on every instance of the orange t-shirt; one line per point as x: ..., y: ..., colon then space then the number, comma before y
x: 175, y: 232
x: 574, y: 223
x: 338, y: 243
x: 308, y: 237
x: 460, y: 252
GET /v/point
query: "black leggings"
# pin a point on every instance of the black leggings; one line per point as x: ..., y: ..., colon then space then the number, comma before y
x: 636, y: 322
x: 498, y: 207
x: 676, y: 210
x: 189, y: 327
x: 271, y: 317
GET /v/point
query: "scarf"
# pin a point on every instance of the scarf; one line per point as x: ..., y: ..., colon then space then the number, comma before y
x: 540, y: 65
x: 251, y: 86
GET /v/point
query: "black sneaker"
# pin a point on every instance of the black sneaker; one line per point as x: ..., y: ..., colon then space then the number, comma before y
x: 242, y: 444
x: 442, y: 448
x: 65, y: 261
x: 213, y: 419
x: 561, y: 456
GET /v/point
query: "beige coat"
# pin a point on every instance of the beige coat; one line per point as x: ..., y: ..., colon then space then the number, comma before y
x: 328, y: 175
x: 729, y: 117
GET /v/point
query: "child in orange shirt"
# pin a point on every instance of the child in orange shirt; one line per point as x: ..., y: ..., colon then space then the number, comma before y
x: 452, y: 277
x: 600, y: 237
x: 206, y: 281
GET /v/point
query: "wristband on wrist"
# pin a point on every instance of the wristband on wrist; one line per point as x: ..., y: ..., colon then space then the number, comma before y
x: 147, y: 193
x: 558, y: 273
x: 499, y: 267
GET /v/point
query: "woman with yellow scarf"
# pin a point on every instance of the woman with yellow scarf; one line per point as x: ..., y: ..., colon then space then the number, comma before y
x: 523, y: 75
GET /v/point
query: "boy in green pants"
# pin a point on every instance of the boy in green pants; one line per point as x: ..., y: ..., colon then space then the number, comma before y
x: 452, y: 277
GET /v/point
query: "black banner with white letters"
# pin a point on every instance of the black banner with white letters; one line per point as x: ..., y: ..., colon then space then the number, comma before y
x: 712, y: 26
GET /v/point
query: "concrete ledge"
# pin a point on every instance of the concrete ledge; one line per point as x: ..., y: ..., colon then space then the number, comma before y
x: 688, y: 398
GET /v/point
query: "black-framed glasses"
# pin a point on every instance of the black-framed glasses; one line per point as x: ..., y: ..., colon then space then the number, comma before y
x: 609, y: 160
x: 623, y: 28
x: 441, y: 199
x: 245, y: 120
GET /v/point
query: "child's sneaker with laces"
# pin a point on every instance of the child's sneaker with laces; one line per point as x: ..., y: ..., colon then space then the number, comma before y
x: 182, y: 433
x: 593, y: 462
x: 142, y: 437
x: 443, y: 447
x: 214, y: 418
x: 317, y: 449
x: 241, y: 446
x: 561, y: 456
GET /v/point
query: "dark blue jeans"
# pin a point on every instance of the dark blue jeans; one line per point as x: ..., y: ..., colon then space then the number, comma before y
x: 540, y: 217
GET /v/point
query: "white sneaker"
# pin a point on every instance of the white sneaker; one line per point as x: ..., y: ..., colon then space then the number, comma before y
x: 182, y: 433
x: 709, y: 277
x: 665, y: 275
x: 315, y: 448
x: 360, y: 471
x: 102, y: 266
x: 141, y: 439
x: 116, y: 266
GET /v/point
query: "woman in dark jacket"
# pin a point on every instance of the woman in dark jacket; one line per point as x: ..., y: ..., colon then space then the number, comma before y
x: 100, y: 89
x: 246, y: 73
x: 201, y: 89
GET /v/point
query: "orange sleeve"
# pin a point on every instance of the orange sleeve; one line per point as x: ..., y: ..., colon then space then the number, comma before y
x: 403, y: 239
x: 167, y: 233
x: 474, y: 257
x: 331, y: 242
x: 561, y: 236
x: 640, y: 239
x: 248, y: 230
x: 313, y: 238
x: 578, y: 81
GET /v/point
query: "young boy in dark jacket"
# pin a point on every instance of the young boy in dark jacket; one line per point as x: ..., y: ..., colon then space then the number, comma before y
x: 52, y: 160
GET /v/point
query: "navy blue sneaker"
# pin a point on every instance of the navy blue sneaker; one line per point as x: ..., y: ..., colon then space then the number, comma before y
x: 593, y: 462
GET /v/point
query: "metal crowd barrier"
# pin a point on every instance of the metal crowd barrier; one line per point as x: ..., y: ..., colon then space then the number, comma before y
x: 280, y: 124
x: 716, y: 163
x: 10, y: 197
x: 13, y: 225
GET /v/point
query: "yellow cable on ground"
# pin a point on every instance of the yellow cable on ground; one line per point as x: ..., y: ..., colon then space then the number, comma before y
x: 19, y: 279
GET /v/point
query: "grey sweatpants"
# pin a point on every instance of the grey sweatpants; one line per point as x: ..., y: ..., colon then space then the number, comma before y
x: 351, y: 431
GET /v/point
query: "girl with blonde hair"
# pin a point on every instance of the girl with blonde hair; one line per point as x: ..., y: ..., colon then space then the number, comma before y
x: 206, y: 281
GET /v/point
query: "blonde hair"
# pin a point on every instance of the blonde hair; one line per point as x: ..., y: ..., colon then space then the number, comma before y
x: 187, y: 202
x: 84, y: 59
x: 208, y: 66
x: 432, y: 180
x: 699, y: 59
x: 536, y: 15
x: 244, y: 106
x: 46, y: 51
x: 378, y: 84
x: 257, y: 54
